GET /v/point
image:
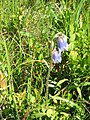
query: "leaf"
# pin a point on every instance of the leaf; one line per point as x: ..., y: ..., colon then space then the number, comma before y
x: 61, y: 81
x: 79, y: 92
x: 72, y: 38
x: 50, y: 112
x: 37, y: 115
x: 64, y: 100
x: 73, y: 55
x: 46, y: 63
x: 25, y: 34
x: 37, y: 94
x: 32, y: 98
x: 65, y: 114
x: 31, y: 42
x: 69, y: 95
x: 55, y: 101
x: 71, y: 28
x: 40, y: 57
x: 51, y: 85
x: 78, y: 10
x: 85, y: 84
x: 71, y: 46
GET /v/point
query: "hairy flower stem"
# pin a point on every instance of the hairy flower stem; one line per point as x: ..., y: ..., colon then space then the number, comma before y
x: 47, y: 87
x: 48, y: 74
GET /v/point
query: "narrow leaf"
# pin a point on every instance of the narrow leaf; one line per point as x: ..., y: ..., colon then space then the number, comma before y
x: 61, y: 81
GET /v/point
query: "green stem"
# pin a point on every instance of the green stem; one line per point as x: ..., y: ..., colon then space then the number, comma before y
x: 47, y: 87
x: 48, y: 74
x: 11, y: 86
x: 8, y: 64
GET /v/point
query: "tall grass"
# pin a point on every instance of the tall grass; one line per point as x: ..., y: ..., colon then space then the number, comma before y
x: 35, y: 87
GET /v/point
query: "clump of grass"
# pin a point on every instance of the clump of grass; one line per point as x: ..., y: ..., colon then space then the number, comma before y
x: 25, y: 60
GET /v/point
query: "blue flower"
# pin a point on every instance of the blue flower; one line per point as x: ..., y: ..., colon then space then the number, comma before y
x: 57, y: 56
x: 62, y: 41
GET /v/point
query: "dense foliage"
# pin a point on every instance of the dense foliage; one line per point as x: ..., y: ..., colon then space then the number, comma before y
x: 31, y: 86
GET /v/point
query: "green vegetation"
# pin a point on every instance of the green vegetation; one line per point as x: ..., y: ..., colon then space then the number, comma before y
x: 31, y: 86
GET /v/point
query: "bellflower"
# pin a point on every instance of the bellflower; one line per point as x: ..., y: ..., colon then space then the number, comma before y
x: 57, y: 56
x: 62, y: 41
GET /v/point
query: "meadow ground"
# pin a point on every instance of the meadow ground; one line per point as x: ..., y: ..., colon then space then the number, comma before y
x: 32, y: 87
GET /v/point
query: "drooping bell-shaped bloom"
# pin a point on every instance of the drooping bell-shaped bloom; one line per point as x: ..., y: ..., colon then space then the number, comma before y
x: 62, y: 41
x: 57, y: 56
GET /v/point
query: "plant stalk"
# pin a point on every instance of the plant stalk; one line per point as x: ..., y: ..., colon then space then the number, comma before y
x: 48, y: 74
